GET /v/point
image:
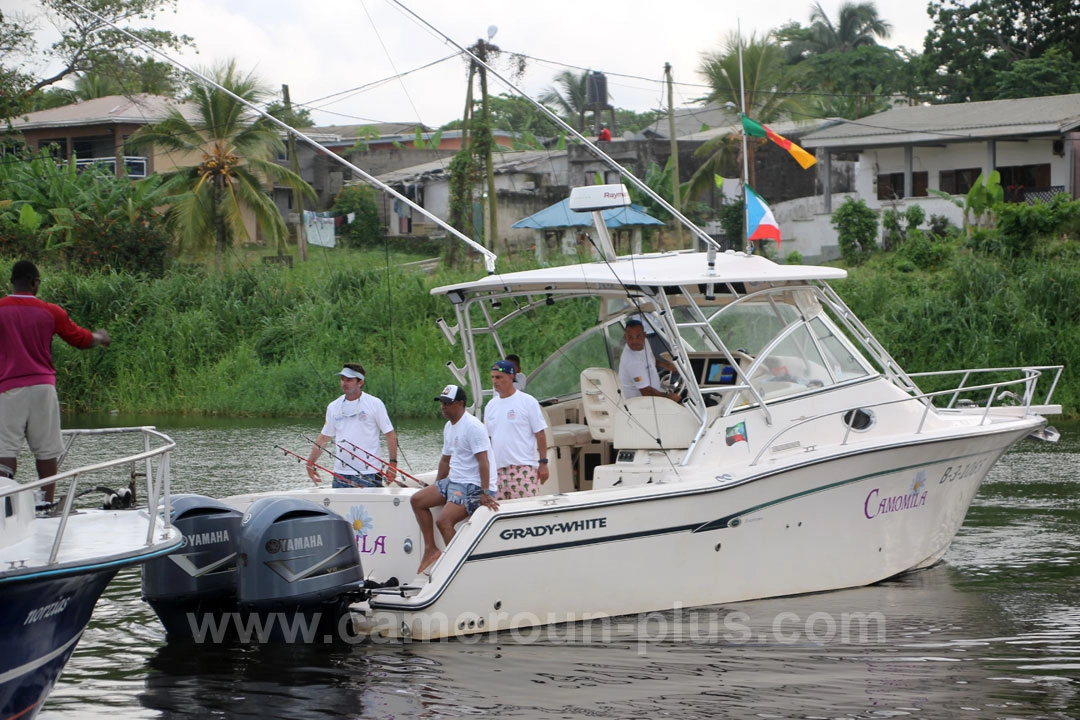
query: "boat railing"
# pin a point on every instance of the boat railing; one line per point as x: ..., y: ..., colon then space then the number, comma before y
x: 158, y: 490
x: 994, y: 391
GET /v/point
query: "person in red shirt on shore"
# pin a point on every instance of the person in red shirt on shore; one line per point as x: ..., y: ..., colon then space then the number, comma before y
x: 604, y: 136
x: 29, y: 409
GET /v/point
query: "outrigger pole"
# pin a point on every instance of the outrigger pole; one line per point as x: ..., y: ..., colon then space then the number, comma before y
x: 489, y: 256
x: 745, y: 159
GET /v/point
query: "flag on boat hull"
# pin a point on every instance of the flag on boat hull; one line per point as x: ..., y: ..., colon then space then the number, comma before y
x: 756, y: 129
x: 760, y: 223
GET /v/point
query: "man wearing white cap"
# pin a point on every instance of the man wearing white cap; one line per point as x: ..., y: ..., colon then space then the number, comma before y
x: 465, y: 479
x: 355, y: 421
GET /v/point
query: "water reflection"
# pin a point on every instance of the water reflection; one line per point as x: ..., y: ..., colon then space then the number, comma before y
x: 992, y: 632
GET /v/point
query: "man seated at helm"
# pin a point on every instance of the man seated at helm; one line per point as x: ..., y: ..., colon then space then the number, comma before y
x: 638, y: 367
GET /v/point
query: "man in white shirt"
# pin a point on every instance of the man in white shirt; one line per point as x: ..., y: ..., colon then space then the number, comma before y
x: 515, y: 423
x: 355, y: 421
x: 637, y: 366
x: 465, y: 479
x: 519, y: 377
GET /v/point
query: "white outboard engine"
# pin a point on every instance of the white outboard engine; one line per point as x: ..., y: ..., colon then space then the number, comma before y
x: 199, y: 578
x: 298, y: 561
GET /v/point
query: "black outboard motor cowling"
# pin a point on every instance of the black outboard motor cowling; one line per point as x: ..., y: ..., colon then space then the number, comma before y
x: 200, y: 577
x: 295, y: 553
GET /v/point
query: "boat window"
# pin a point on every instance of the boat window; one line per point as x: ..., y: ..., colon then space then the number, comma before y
x: 793, y: 365
x: 560, y: 374
x: 841, y: 357
x: 751, y: 326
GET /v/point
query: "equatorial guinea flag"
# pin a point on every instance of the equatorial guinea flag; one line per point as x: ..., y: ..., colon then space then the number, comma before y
x: 756, y: 129
x: 760, y: 223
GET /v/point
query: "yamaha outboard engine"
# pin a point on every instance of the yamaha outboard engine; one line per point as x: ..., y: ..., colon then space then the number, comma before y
x: 199, y: 578
x: 298, y: 561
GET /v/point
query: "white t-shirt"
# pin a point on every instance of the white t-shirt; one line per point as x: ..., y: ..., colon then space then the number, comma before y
x: 355, y: 426
x: 512, y: 423
x: 461, y: 441
x: 519, y: 381
x: 637, y: 370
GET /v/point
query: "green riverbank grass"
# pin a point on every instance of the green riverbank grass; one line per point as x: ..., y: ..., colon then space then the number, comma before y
x: 266, y: 340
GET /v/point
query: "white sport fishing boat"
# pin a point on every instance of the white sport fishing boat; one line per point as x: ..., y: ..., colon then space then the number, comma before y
x: 55, y: 563
x: 802, y: 458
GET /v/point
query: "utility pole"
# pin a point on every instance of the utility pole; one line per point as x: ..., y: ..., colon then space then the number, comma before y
x: 492, y: 225
x: 676, y: 203
x: 298, y: 200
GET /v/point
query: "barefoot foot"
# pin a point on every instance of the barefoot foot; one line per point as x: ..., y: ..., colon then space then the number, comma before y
x: 428, y: 560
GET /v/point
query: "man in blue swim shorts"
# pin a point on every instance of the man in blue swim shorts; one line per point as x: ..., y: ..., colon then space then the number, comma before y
x: 465, y: 479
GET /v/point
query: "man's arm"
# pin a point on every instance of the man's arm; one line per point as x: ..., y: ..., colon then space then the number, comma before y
x: 485, y: 481
x: 444, y: 468
x: 650, y: 391
x: 542, y: 470
x: 316, y: 452
x: 391, y: 450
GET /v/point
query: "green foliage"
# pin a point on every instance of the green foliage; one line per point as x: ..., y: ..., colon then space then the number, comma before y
x: 983, y: 197
x: 923, y: 251
x: 856, y: 228
x: 268, y: 340
x: 732, y: 218
x: 362, y: 201
x: 972, y: 43
x: 793, y: 258
x: 1019, y: 225
x: 89, y: 219
x: 1055, y: 72
x: 82, y: 44
x: 898, y: 225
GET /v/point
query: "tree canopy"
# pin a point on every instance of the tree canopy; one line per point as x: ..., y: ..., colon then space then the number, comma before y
x: 85, y: 44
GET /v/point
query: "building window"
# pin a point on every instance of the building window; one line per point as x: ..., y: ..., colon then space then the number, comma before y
x: 1020, y: 179
x: 958, y: 182
x: 890, y: 186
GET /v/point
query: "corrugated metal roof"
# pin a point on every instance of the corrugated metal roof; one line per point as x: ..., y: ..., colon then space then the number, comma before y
x: 139, y: 109
x: 503, y: 162
x: 958, y: 122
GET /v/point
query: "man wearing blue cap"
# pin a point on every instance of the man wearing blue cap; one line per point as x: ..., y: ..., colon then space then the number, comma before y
x: 355, y: 421
x: 516, y: 426
x: 464, y: 481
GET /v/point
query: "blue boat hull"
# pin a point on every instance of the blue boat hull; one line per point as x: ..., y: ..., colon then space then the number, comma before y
x: 42, y: 621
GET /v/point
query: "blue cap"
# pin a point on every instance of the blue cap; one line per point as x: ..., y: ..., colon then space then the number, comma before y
x: 504, y: 366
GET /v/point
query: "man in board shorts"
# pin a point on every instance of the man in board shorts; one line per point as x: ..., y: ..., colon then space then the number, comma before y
x: 29, y: 408
x: 465, y: 479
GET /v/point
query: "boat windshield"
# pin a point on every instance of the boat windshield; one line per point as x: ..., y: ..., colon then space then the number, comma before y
x: 560, y: 374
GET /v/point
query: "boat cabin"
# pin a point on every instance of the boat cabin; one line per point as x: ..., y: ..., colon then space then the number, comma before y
x: 745, y: 334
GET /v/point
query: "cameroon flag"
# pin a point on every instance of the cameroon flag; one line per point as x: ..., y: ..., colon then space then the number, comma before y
x: 756, y: 129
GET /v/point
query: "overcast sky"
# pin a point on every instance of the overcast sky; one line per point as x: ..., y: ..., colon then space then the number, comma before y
x: 324, y: 47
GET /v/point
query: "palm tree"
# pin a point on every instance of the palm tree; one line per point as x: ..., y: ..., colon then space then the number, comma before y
x: 237, y: 163
x: 569, y: 96
x: 769, y: 96
x: 857, y: 25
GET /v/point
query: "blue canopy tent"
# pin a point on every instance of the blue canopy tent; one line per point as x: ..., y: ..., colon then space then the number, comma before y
x: 560, y: 216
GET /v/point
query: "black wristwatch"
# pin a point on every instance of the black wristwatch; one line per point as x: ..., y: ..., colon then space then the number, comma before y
x: 543, y: 461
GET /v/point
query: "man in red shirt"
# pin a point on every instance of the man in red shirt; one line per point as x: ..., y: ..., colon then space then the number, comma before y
x: 29, y: 408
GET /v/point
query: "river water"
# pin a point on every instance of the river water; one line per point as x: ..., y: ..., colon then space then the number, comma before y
x: 991, y: 632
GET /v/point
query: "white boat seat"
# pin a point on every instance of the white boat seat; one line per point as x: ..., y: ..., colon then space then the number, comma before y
x: 601, y: 401
x: 650, y: 418
x: 569, y: 435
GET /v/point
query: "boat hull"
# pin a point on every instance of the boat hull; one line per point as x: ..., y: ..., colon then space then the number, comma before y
x: 852, y: 518
x: 43, y: 620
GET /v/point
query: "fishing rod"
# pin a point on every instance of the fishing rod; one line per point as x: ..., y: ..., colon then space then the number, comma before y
x: 397, y: 470
x: 302, y: 459
x: 374, y: 467
x: 488, y: 255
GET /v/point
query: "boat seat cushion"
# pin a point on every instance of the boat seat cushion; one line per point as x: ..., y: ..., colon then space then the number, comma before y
x: 569, y: 435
